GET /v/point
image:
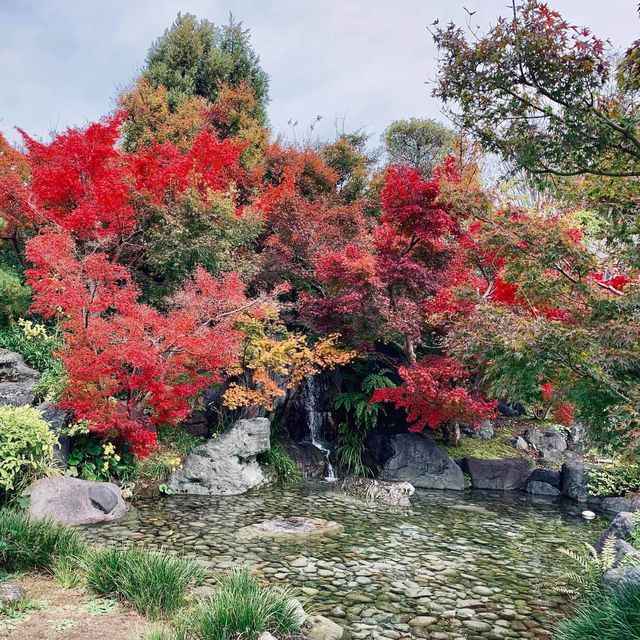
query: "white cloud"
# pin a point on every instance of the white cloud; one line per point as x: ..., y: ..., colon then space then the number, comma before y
x: 368, y: 60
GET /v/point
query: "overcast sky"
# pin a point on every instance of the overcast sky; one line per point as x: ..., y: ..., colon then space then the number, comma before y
x: 367, y: 61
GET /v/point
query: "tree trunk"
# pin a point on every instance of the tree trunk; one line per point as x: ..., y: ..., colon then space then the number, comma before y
x: 451, y: 434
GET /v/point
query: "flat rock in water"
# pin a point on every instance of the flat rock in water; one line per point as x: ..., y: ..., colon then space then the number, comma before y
x: 370, y: 489
x: 321, y: 628
x: 289, y: 528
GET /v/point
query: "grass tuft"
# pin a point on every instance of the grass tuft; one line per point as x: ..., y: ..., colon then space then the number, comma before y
x: 155, y: 584
x: 27, y: 543
x: 611, y: 616
x: 241, y: 608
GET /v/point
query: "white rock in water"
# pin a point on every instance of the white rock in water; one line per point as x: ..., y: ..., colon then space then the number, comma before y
x: 588, y: 515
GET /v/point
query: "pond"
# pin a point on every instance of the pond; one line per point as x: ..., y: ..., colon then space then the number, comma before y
x: 477, y: 565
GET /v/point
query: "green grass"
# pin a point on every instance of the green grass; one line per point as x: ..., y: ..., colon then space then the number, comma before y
x: 240, y: 609
x: 282, y: 463
x: 153, y: 583
x: 493, y: 449
x: 27, y: 543
x: 614, y: 616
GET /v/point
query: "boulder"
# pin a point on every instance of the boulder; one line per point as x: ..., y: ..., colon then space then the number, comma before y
x: 17, y: 380
x: 11, y: 594
x: 519, y: 443
x: 320, y: 628
x: 538, y: 488
x: 622, y: 578
x: 619, y: 504
x: 509, y: 474
x: 574, y: 480
x: 485, y: 431
x: 551, y: 443
x: 75, y: 502
x: 226, y: 465
x: 621, y: 526
x: 370, y: 489
x: 196, y: 424
x: 308, y: 458
x: 57, y: 420
x: 414, y: 458
x: 549, y: 476
x: 510, y: 410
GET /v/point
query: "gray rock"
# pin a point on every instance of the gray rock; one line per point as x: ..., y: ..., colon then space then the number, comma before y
x: 550, y: 476
x: 308, y: 458
x: 626, y: 554
x: 57, y: 419
x: 75, y: 502
x: 321, y: 628
x: 542, y: 488
x: 414, y: 458
x: 509, y: 474
x: 618, y: 504
x: 395, y: 493
x: 16, y: 380
x: 226, y: 465
x: 574, y: 480
x: 196, y: 424
x: 551, y: 443
x: 622, y: 578
x: 486, y: 431
x: 576, y: 435
x: 621, y: 526
x: 518, y: 442
x: 11, y: 594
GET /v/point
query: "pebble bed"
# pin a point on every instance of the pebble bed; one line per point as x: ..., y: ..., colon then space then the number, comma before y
x: 454, y: 566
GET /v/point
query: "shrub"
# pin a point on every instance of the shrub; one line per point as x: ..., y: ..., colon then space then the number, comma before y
x: 241, y: 608
x: 615, y: 479
x: 91, y: 458
x: 611, y: 616
x: 26, y: 448
x: 14, y: 294
x: 153, y: 583
x: 27, y: 543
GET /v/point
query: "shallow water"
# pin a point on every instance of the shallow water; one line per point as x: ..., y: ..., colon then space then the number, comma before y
x: 478, y: 565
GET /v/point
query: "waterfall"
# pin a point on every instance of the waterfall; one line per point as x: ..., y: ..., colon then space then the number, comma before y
x: 312, y: 392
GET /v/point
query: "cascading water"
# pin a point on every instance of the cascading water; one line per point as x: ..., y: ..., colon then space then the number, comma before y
x: 312, y: 390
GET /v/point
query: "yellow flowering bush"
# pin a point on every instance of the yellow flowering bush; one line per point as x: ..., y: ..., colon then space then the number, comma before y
x: 26, y: 448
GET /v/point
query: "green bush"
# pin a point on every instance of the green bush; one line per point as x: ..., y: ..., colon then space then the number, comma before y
x: 15, y: 296
x: 153, y: 583
x: 615, y: 479
x: 27, y: 543
x: 26, y: 448
x: 91, y: 458
x: 241, y: 608
x: 611, y: 616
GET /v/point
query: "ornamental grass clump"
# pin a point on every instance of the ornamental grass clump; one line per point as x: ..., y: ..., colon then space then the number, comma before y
x: 241, y: 608
x: 27, y: 543
x: 611, y: 616
x: 156, y: 584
